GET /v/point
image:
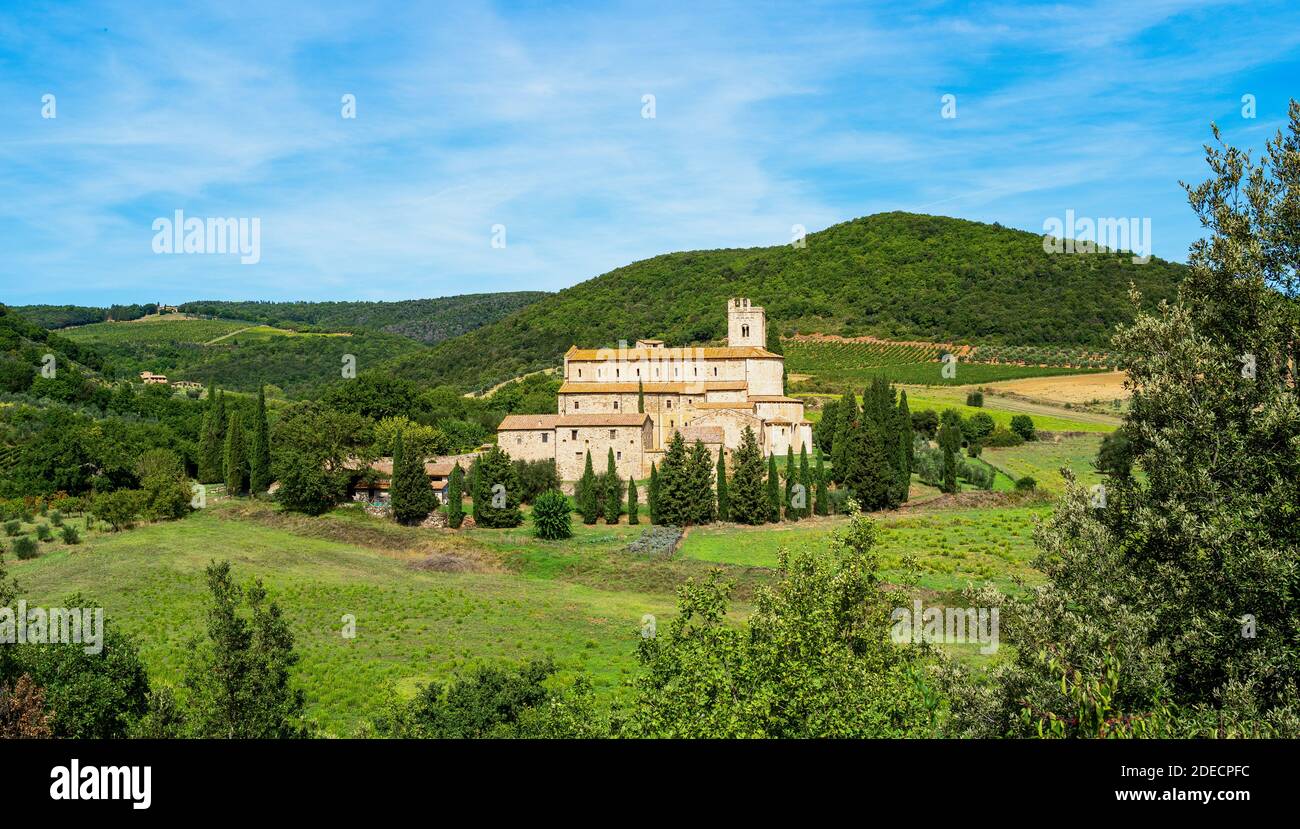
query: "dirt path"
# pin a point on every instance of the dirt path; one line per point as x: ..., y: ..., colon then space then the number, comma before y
x: 231, y: 334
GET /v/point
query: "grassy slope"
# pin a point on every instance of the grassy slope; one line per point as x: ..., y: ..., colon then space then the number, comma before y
x: 896, y: 275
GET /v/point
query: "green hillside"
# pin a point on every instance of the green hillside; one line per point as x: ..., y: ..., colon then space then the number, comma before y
x: 427, y: 320
x: 893, y: 275
x: 24, y: 347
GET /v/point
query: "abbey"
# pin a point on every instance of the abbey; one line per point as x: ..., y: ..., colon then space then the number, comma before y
x: 707, y: 394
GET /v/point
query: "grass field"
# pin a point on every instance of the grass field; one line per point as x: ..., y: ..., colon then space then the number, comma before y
x: 1042, y: 461
x: 1046, y: 418
x: 154, y: 330
x: 954, y: 548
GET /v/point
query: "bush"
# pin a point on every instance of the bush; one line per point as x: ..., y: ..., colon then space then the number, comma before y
x: 43, y: 532
x: 118, y: 509
x: 1023, y: 425
x: 1003, y: 436
x: 551, y: 516
x: 1026, y: 484
x: 70, y: 535
x: 25, y: 547
x: 12, y: 528
x: 975, y: 399
x: 658, y: 541
x: 56, y: 518
x: 536, y: 478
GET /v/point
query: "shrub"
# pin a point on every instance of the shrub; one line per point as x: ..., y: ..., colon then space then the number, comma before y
x: 12, y: 527
x: 1026, y: 484
x: 551, y: 516
x: 1023, y: 425
x: 25, y: 547
x: 70, y: 535
x: 1003, y: 436
x: 975, y: 399
x: 56, y: 518
x: 118, y: 509
x: 658, y: 541
x: 43, y: 532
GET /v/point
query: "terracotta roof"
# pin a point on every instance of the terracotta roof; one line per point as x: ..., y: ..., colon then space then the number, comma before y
x: 602, y: 420
x: 626, y: 387
x: 664, y: 354
x: 527, y: 422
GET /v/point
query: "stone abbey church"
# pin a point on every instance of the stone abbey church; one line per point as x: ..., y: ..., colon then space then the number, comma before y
x: 706, y: 394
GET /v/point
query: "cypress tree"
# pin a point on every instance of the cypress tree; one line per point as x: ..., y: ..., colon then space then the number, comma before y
x: 586, y: 493
x: 805, y: 478
x: 792, y: 512
x: 652, y: 494
x: 747, y: 497
x: 455, y: 491
x: 236, y: 462
x: 640, y: 397
x: 212, y: 441
x: 259, y: 461
x: 703, y: 508
x: 773, y: 491
x: 613, y: 491
x: 848, y: 419
x: 674, y: 500
x: 950, y: 441
x: 868, y: 475
x: 409, y: 493
x: 724, y: 497
x: 903, y: 437
x: 632, y: 505
x: 822, y: 505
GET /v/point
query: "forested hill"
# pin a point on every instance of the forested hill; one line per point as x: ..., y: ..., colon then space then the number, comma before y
x: 427, y: 320
x: 895, y: 275
x: 24, y: 350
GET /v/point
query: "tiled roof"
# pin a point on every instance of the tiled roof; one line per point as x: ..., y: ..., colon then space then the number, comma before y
x: 678, y: 354
x: 602, y: 420
x: 527, y: 422
x: 625, y: 387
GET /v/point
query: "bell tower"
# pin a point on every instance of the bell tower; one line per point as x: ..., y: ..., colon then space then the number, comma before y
x: 746, y: 324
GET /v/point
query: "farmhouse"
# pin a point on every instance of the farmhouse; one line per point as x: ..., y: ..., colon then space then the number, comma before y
x: 632, y: 400
x: 372, y: 482
x: 150, y: 378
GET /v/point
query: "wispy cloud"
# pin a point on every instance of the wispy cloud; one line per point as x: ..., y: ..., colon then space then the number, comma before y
x: 530, y: 116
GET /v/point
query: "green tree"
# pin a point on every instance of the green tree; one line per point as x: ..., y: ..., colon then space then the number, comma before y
x: 586, y: 493
x: 724, y: 497
x: 410, y: 495
x: 455, y: 492
x: 652, y: 494
x: 773, y: 491
x: 211, y: 451
x: 704, y: 508
x: 822, y: 504
x: 903, y: 447
x: 238, y: 679
x: 496, y: 491
x: 640, y: 397
x: 675, y: 500
x: 613, y: 501
x: 811, y: 662
x: 1023, y: 425
x: 259, y: 462
x: 236, y: 457
x: 848, y: 421
x: 950, y: 442
x: 305, y: 485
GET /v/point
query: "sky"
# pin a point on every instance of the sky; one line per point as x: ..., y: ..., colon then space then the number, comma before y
x: 509, y: 146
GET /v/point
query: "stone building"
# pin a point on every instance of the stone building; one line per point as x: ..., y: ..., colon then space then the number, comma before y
x: 706, y: 393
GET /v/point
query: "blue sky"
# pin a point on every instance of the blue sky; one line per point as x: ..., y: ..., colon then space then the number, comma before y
x: 529, y: 115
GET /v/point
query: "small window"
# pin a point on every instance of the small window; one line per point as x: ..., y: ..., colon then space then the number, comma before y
x: 545, y: 437
x: 744, y: 330
x: 670, y: 404
x: 611, y: 434
x: 576, y: 405
x: 638, y: 372
x: 618, y: 455
x: 715, y: 371
x: 616, y: 374
x: 519, y: 438
x: 573, y: 434
x: 615, y: 405
x: 579, y: 372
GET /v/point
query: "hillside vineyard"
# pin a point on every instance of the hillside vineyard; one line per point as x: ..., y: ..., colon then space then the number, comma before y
x: 632, y: 400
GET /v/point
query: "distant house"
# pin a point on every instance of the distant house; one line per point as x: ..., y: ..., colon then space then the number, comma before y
x: 151, y: 379
x: 187, y: 385
x: 371, y: 484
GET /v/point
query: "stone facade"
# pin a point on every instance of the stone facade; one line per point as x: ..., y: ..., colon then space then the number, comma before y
x: 703, y: 392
